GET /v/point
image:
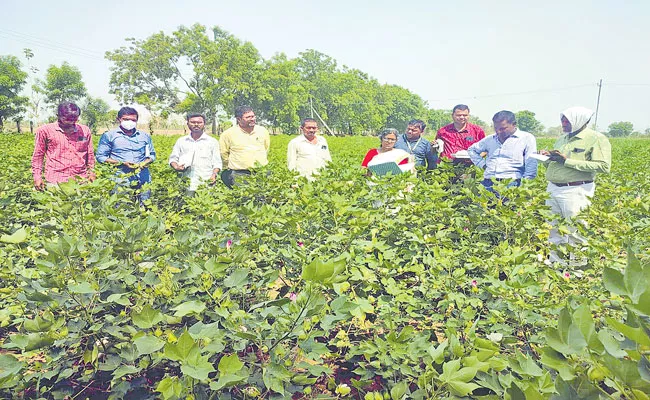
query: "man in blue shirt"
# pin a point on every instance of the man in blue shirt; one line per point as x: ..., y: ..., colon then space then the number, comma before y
x: 413, y: 143
x: 130, y: 150
x: 508, y: 152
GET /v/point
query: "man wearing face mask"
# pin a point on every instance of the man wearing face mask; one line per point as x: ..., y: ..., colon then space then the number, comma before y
x: 66, y: 145
x: 413, y: 143
x: 576, y: 158
x: 129, y: 150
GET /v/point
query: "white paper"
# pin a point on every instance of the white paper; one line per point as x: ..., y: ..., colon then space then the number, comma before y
x: 539, y: 157
x: 461, y: 154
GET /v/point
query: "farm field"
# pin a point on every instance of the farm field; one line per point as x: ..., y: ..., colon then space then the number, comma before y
x: 413, y: 288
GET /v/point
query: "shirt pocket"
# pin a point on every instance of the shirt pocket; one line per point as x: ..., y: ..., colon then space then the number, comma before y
x: 579, y: 153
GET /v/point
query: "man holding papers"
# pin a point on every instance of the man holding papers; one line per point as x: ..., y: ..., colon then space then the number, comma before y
x: 576, y: 158
x: 508, y: 152
x: 196, y: 155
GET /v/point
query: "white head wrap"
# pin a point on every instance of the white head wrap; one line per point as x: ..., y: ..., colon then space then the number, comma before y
x: 577, y: 116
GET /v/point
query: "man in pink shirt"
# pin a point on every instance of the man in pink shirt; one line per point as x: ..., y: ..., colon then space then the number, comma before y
x: 67, y: 146
x: 459, y: 135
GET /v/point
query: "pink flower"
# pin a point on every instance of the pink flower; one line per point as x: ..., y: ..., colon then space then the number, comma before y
x: 300, y: 244
x: 293, y: 296
x: 466, y: 229
x: 474, y: 283
x: 228, y: 244
x: 567, y: 275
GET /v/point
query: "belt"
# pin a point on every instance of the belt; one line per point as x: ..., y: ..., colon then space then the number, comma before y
x: 576, y: 183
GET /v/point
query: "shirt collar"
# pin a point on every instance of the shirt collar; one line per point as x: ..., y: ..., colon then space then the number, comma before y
x: 304, y: 139
x: 190, y: 138
x: 58, y: 128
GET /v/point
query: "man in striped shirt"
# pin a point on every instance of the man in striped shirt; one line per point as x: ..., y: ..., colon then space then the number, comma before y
x: 66, y: 145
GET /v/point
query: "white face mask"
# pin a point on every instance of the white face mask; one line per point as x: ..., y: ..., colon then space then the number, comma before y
x: 128, y: 124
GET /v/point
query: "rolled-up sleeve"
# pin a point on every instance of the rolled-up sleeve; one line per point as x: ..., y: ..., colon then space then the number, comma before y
x: 475, y: 151
x: 38, y: 155
x: 530, y: 164
x: 217, y: 163
x: 104, y: 147
x: 176, y: 152
x: 150, y: 151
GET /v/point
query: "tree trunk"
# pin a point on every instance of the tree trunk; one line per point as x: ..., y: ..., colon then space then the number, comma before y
x: 31, y: 127
x: 18, y: 127
x: 2, y: 125
x: 214, y: 124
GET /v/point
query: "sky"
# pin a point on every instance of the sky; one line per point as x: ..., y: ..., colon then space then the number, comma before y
x: 491, y: 55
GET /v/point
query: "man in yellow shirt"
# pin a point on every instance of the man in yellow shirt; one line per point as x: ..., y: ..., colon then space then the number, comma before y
x: 243, y: 146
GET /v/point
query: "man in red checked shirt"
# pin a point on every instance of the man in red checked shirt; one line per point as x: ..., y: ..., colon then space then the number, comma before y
x: 67, y: 147
x: 458, y: 136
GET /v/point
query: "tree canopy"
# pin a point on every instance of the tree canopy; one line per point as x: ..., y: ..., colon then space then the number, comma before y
x: 12, y: 80
x: 526, y: 121
x: 62, y: 83
x: 618, y: 129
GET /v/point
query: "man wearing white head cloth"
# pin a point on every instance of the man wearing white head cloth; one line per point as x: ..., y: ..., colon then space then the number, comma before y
x: 576, y: 158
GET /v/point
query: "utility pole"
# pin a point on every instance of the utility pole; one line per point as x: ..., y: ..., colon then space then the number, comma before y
x: 311, y: 106
x: 600, y: 86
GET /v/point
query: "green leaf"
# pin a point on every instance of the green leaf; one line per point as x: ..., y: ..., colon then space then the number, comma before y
x: 612, y: 346
x: 184, y: 350
x: 125, y: 370
x: 147, y: 318
x: 29, y: 342
x: 230, y: 364
x: 18, y: 236
x: 198, y: 369
x: 148, y: 344
x: 236, y: 279
x: 636, y: 334
x: 583, y: 319
x: 38, y: 324
x: 613, y: 280
x: 635, y: 278
x: 438, y: 353
x: 319, y: 271
x: 189, y: 307
x: 228, y: 381
x: 274, y: 376
x: 119, y: 298
x: 81, y: 288
x: 170, y: 388
x: 558, y: 362
x: 216, y: 267
x: 644, y: 369
x: 398, y: 391
x: 9, y: 365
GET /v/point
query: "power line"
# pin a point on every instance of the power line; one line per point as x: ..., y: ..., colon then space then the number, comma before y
x: 522, y: 93
x: 51, y: 45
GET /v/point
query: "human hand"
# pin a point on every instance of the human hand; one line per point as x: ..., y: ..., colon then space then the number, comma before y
x: 543, y: 152
x: 131, y: 165
x: 91, y: 176
x: 178, y: 167
x: 555, y: 155
x: 39, y: 185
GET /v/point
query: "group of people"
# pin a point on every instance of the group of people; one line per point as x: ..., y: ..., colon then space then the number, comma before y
x: 509, y: 154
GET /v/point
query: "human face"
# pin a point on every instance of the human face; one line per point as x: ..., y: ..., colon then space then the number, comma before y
x: 309, y: 130
x: 196, y: 124
x: 504, y: 129
x: 566, y: 125
x: 247, y: 121
x: 67, y: 121
x: 460, y: 118
x: 413, y: 132
x: 388, y: 141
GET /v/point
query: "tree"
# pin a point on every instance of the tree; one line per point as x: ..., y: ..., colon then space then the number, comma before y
x: 526, y: 121
x: 12, y: 80
x: 619, y: 129
x: 36, y: 97
x: 436, y: 119
x: 95, y: 113
x: 186, y: 71
x: 554, y: 131
x: 62, y: 83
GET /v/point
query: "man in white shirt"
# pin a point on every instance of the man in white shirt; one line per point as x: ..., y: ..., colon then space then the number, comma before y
x: 196, y: 155
x: 308, y: 153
